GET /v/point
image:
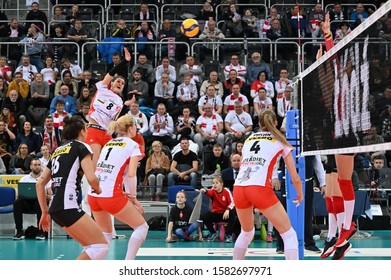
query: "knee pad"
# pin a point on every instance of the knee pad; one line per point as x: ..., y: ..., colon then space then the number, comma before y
x: 140, y: 232
x: 245, y: 238
x: 108, y: 236
x: 346, y: 189
x: 290, y: 240
x: 97, y: 251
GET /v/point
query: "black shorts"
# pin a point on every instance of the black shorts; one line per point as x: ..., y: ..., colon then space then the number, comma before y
x: 66, y: 218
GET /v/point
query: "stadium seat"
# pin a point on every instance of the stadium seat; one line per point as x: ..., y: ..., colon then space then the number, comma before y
x: 7, y: 198
x: 172, y: 191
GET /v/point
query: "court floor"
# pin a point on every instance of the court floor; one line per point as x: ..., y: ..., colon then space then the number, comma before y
x: 368, y: 245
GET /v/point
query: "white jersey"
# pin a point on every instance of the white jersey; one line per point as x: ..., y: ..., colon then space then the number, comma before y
x: 113, y: 164
x: 259, y: 157
x: 105, y: 106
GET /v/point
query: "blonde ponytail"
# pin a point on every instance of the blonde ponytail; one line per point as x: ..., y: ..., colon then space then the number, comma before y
x: 267, y: 121
x: 121, y: 125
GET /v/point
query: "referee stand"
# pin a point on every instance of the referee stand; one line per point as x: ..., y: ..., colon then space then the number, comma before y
x: 296, y: 214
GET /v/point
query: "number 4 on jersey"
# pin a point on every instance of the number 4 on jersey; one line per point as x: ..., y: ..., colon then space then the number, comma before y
x: 255, y: 147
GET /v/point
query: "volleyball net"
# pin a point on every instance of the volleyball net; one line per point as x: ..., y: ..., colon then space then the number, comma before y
x: 347, y: 92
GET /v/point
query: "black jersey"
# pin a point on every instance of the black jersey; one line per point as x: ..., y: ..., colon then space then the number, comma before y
x: 180, y: 217
x: 66, y: 172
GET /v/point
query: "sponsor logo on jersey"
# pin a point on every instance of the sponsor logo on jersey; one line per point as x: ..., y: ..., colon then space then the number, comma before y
x: 261, y: 137
x: 254, y: 160
x: 116, y: 144
x: 61, y: 151
x: 101, y: 101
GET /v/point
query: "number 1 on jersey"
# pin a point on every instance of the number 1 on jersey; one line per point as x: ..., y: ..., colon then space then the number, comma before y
x: 108, y: 153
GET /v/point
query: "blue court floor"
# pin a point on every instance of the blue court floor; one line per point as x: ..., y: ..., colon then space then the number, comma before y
x: 367, y: 245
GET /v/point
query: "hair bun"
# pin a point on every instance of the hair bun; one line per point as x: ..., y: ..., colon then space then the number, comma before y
x: 66, y: 120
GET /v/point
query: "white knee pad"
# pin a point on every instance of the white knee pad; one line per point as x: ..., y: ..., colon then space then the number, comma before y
x: 108, y: 236
x: 140, y: 232
x: 97, y: 251
x: 290, y: 240
x: 245, y: 238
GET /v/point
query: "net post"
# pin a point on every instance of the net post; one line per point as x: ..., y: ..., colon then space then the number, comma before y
x: 296, y: 214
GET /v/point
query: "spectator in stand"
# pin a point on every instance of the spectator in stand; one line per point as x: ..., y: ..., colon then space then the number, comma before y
x: 17, y: 107
x: 121, y: 31
x: 50, y: 73
x: 275, y: 31
x: 359, y: 15
x: 187, y: 96
x: 233, y: 25
x: 191, y: 69
x: 70, y: 101
x: 58, y: 36
x: 185, y: 125
x: 262, y: 82
x: 211, y: 34
x: 145, y: 33
x: 257, y: 66
x: 138, y: 88
x: 5, y: 70
x: 282, y: 83
x: 69, y: 82
x: 4, y: 18
x: 123, y: 69
x: 386, y: 126
x: 297, y: 16
x: 13, y: 30
x: 3, y: 90
x: 342, y: 32
x: 373, y: 138
x: 164, y: 90
x: 144, y: 14
x: 338, y: 13
x: 231, y: 81
x: 216, y: 161
x: 38, y: 17
x: 146, y: 68
x: 30, y: 138
x: 19, y: 85
x: 385, y: 31
x: 250, y: 24
x: 209, y: 128
x: 50, y: 136
x: 72, y: 15
x: 161, y: 127
x: 39, y: 91
x: 45, y: 156
x: 59, y: 115
x: 315, y: 17
x: 238, y: 125
x: 229, y: 101
x: 140, y: 119
x: 210, y: 98
x: 184, y: 166
x: 284, y: 103
x: 212, y: 81
x: 229, y: 174
x: 73, y: 68
x: 261, y: 102
x: 166, y: 67
x: 83, y: 112
x: 7, y: 138
x: 240, y: 69
x: 20, y: 161
x: 87, y: 81
x: 34, y: 47
x: 206, y: 13
x: 78, y: 34
x: 84, y: 97
x: 8, y: 118
x: 58, y: 14
x: 167, y: 33
x: 27, y: 69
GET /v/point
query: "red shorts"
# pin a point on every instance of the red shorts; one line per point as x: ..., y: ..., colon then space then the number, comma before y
x: 256, y: 196
x: 110, y: 204
x: 97, y: 136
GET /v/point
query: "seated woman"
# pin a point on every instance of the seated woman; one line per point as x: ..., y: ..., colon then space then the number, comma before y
x: 20, y: 162
x: 156, y: 170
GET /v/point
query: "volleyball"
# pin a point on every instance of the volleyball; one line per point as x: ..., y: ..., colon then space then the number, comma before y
x: 190, y: 27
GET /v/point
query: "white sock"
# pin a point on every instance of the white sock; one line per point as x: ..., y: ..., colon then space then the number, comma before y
x: 332, y: 227
x: 269, y: 227
x: 340, y: 220
x: 133, y: 245
x: 349, y: 208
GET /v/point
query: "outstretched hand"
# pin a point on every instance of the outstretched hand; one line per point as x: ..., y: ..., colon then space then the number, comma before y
x: 130, y: 102
x: 128, y: 57
x: 320, y: 52
x: 326, y: 24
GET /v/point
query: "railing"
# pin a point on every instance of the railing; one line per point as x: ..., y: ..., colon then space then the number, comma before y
x: 135, y: 47
x: 165, y: 6
x: 241, y: 5
x: 24, y: 44
x: 135, y: 9
x: 19, y: 8
x: 130, y: 27
x: 28, y: 21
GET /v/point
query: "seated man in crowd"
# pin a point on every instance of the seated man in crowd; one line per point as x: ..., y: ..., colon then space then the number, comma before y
x: 210, y: 98
x: 21, y: 205
x: 161, y: 127
x: 184, y: 166
x: 216, y: 161
x: 138, y: 88
x: 238, y: 125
